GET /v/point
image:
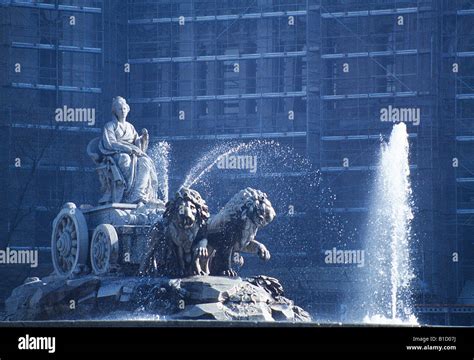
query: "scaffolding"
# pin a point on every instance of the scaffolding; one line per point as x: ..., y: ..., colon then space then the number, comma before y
x: 52, y: 56
x: 313, y: 74
x: 227, y: 67
x: 458, y: 81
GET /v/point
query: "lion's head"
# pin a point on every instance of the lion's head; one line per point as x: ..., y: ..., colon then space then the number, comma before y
x: 186, y: 209
x: 248, y: 203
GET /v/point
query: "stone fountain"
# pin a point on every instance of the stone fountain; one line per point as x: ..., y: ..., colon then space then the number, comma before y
x: 134, y: 256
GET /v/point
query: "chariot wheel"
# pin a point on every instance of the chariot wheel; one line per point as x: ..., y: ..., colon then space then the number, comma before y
x: 69, y: 240
x: 104, y: 249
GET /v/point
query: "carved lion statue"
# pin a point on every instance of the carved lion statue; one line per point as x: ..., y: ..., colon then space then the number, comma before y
x: 231, y: 231
x: 171, y: 239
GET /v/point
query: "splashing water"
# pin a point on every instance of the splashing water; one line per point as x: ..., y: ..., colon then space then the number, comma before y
x: 272, y: 158
x: 160, y: 156
x: 273, y: 165
x: 389, y: 274
x: 207, y: 162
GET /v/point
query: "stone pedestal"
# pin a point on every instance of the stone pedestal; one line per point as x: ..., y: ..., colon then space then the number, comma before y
x: 258, y: 298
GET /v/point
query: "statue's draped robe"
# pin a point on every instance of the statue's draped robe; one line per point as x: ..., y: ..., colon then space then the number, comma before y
x: 119, y: 139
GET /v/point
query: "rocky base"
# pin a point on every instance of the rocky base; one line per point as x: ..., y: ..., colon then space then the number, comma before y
x: 258, y: 298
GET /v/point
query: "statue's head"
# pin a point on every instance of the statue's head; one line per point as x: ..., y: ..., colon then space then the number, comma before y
x: 248, y: 204
x: 120, y: 108
x: 251, y: 204
x: 188, y: 209
x: 258, y: 207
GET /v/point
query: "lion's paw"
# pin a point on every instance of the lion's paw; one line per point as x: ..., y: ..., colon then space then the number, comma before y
x: 200, y: 273
x: 263, y: 253
x: 201, y: 252
x: 238, y: 259
x: 230, y: 273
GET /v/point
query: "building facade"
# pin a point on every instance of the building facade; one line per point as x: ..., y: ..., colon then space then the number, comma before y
x: 314, y: 75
